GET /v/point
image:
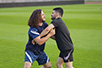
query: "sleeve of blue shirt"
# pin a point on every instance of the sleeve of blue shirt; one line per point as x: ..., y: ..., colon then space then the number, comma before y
x: 33, y: 33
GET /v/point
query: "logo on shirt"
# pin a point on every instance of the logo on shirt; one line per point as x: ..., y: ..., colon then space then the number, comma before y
x: 66, y: 58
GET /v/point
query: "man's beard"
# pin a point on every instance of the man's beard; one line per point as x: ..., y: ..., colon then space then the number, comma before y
x: 52, y: 18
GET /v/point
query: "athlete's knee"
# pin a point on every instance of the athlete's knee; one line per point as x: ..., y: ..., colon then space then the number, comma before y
x: 49, y: 66
x: 27, y: 65
x: 58, y: 65
x: 69, y: 65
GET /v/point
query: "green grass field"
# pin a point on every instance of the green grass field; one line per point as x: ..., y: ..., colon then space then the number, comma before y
x: 84, y: 22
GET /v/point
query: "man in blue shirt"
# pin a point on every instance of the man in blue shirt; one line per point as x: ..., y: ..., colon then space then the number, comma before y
x: 36, y: 51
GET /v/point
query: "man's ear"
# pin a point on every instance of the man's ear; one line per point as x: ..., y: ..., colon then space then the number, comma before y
x: 57, y: 14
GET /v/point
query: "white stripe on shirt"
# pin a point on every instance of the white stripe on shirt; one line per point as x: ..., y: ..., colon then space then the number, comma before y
x: 34, y: 32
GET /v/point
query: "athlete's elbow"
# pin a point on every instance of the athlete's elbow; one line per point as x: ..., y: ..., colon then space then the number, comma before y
x: 47, y: 29
x: 40, y: 43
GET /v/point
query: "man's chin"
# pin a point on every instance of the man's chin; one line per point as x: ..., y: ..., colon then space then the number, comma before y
x: 52, y: 18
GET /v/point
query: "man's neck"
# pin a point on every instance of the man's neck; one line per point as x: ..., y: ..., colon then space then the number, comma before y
x: 58, y: 17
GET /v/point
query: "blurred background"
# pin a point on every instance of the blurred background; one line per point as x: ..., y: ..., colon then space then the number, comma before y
x: 21, y: 3
x: 82, y: 17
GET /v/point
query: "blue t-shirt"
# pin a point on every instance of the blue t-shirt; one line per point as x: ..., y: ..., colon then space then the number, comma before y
x: 33, y: 33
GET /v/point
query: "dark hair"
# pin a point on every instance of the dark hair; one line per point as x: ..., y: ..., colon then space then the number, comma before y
x: 59, y: 10
x: 35, y: 18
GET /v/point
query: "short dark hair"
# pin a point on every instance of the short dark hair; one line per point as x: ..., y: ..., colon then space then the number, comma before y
x: 59, y: 10
x: 35, y: 18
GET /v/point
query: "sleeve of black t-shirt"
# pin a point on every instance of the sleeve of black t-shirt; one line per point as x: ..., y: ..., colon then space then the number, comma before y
x: 55, y: 23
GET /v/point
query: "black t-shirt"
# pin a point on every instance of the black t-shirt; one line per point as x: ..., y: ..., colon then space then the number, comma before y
x: 62, y: 35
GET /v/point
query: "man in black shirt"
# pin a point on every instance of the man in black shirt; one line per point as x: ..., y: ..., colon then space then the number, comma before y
x: 62, y: 38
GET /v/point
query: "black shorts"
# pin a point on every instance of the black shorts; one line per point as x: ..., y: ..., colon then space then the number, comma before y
x: 67, y: 55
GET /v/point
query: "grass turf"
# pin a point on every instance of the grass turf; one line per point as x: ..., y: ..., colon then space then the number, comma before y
x: 84, y: 23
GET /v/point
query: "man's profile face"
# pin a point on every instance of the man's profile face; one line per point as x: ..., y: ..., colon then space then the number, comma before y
x: 43, y: 16
x: 53, y: 15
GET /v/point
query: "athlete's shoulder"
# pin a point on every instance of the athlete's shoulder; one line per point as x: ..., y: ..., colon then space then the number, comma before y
x: 32, y: 29
x: 33, y: 33
x: 45, y: 24
x: 56, y: 20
